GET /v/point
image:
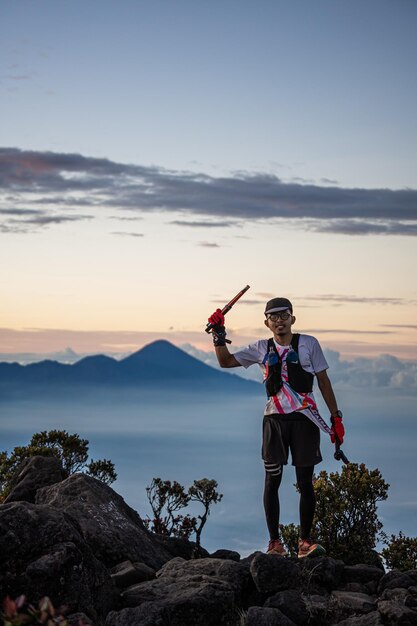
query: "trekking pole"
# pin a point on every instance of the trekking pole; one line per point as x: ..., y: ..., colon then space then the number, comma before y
x: 339, y: 455
x: 226, y: 309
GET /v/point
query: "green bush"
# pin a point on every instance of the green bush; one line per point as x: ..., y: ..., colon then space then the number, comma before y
x: 401, y: 552
x: 346, y: 523
x: 70, y: 449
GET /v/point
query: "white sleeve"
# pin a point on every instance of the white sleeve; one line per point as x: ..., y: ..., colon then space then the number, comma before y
x: 253, y: 353
x: 318, y: 360
x: 311, y: 355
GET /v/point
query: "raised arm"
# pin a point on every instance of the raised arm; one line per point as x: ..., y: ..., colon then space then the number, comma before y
x: 224, y: 357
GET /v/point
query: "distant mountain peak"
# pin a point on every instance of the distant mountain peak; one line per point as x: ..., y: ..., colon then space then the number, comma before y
x: 159, y: 348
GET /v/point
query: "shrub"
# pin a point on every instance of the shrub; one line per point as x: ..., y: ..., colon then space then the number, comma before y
x: 167, y: 498
x: 346, y: 523
x: 401, y: 552
x: 71, y: 449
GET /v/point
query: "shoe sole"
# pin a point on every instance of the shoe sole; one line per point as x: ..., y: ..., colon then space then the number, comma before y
x: 319, y: 551
x: 275, y: 553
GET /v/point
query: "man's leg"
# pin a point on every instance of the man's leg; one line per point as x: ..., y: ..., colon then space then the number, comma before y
x: 274, y: 454
x: 306, y: 546
x: 307, y: 499
x: 273, y: 477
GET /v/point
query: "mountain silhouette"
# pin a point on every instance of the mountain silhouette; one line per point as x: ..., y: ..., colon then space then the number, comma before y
x: 159, y: 365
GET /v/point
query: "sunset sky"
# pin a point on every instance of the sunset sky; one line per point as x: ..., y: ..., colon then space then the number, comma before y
x: 158, y: 156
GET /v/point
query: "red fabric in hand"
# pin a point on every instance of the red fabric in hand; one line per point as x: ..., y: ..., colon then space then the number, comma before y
x: 337, y: 429
x: 217, y: 318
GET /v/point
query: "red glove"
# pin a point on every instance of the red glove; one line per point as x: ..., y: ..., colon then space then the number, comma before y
x: 338, y: 429
x: 217, y: 318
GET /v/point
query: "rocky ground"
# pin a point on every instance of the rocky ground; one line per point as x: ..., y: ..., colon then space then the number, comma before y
x: 77, y: 541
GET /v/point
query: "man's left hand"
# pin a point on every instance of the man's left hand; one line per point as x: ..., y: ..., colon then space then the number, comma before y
x: 337, y: 429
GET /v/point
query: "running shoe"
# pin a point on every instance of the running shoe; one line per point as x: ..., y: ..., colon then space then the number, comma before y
x: 275, y: 547
x: 307, y: 547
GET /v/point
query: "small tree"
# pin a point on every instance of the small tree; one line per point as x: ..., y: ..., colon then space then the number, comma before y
x: 401, y: 552
x: 204, y: 491
x: 71, y: 449
x: 167, y: 498
x: 346, y: 523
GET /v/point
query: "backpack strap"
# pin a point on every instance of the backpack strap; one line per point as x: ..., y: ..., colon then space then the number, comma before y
x: 294, y: 341
x: 271, y: 344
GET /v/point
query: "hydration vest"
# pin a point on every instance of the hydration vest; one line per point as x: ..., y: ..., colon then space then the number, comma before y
x: 298, y: 378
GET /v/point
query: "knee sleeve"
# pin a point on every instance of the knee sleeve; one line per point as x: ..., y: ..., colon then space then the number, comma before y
x: 273, y: 469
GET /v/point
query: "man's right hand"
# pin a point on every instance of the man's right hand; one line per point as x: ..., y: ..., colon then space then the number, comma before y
x: 218, y: 330
x: 217, y: 319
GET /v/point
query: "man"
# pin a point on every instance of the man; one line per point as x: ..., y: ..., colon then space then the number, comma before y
x: 291, y: 419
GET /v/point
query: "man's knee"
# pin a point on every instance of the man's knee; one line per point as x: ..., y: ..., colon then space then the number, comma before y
x: 273, y: 470
x: 305, y: 479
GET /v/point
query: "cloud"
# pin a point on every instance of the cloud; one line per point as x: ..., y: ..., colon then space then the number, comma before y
x: 336, y: 300
x: 63, y: 356
x: 31, y: 220
x: 73, y: 179
x: 350, y: 299
x: 346, y: 331
x: 208, y: 244
x: 126, y: 219
x: 42, y: 220
x: 251, y: 301
x: 329, y: 181
x: 384, y: 371
x: 204, y: 224
x: 408, y: 326
x: 265, y: 295
x: 363, y: 227
x: 128, y: 234
x: 19, y: 212
x: 50, y: 340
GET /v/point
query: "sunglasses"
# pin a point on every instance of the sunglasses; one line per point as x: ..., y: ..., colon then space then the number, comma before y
x: 274, y: 317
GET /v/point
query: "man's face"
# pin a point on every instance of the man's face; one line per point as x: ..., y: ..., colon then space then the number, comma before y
x: 280, y: 322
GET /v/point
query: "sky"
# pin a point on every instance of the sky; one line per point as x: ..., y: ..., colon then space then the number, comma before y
x: 156, y: 157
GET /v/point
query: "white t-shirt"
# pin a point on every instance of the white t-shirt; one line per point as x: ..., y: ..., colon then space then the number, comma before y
x: 311, y: 359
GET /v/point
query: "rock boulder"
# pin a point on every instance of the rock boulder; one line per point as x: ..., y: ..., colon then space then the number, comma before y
x: 43, y: 553
x: 273, y: 573
x: 33, y: 474
x: 202, y: 592
x: 113, y: 530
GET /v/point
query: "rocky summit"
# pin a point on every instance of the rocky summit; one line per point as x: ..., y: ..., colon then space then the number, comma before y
x: 75, y: 540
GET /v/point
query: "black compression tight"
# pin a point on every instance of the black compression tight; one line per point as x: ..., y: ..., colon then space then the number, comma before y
x: 307, y: 500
